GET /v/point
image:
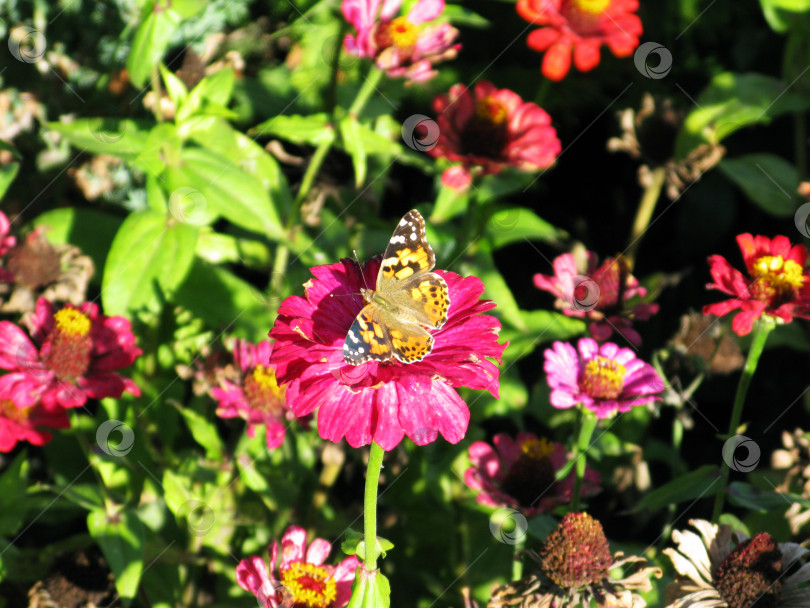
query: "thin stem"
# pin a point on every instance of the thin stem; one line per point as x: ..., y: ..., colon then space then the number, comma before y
x: 645, y: 211
x: 314, y: 167
x: 375, y: 458
x: 588, y: 422
x: 761, y: 331
x: 517, y: 562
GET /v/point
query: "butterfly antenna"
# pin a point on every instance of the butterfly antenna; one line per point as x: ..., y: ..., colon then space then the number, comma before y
x: 360, y: 266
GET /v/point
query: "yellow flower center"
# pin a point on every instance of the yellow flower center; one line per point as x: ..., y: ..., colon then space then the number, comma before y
x: 11, y: 412
x: 486, y: 132
x: 72, y: 322
x: 593, y: 7
x: 777, y: 280
x: 309, y: 585
x: 400, y: 33
x: 603, y: 378
x: 262, y: 390
x: 490, y: 110
x: 537, y: 449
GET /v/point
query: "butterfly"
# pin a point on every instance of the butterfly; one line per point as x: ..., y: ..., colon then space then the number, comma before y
x: 407, y: 300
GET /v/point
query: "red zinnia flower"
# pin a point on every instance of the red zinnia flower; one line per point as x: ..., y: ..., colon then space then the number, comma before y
x: 22, y: 423
x: 599, y: 295
x: 520, y: 472
x: 491, y: 129
x: 374, y: 401
x: 302, y: 579
x: 254, y: 395
x: 605, y: 379
x: 73, y: 356
x: 581, y: 27
x: 778, y: 284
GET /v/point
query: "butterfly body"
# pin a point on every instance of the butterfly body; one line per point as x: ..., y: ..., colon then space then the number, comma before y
x: 408, y: 301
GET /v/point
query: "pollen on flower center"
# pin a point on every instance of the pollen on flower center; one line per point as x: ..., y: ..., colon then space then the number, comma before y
x: 400, y: 33
x: 576, y: 553
x: 262, y: 389
x: 532, y: 475
x: 584, y: 15
x: 603, y: 378
x: 776, y: 278
x: 486, y: 133
x: 72, y: 322
x: 309, y: 585
x: 750, y: 575
x: 589, y: 6
x: 11, y: 412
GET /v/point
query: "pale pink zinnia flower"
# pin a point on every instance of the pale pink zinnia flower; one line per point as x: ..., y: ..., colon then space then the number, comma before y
x: 605, y: 379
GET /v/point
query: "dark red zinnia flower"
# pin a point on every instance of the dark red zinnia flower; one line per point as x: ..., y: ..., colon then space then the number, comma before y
x: 778, y: 284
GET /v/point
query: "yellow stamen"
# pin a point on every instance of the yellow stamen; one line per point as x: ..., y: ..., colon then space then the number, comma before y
x: 11, y: 412
x: 72, y: 322
x: 400, y: 33
x: 777, y: 275
x: 491, y: 110
x: 603, y: 378
x: 537, y: 449
x: 309, y: 585
x: 593, y: 7
x: 266, y: 379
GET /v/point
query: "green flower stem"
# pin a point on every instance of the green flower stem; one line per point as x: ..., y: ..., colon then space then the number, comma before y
x: 588, y: 422
x: 314, y: 167
x: 645, y: 211
x: 761, y: 331
x: 375, y: 458
x: 517, y: 562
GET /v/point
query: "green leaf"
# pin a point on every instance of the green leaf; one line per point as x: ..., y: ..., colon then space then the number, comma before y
x: 732, y: 102
x: 7, y: 174
x: 353, y: 144
x: 313, y: 129
x: 449, y: 204
x: 768, y: 180
x: 747, y: 496
x: 226, y: 189
x: 204, y: 432
x: 496, y: 288
x: 162, y: 146
x: 149, y: 250
x: 539, y: 327
x: 383, y: 546
x: 151, y: 40
x: 370, y: 590
x: 12, y: 490
x: 350, y: 543
x: 121, y: 538
x: 702, y: 483
x: 217, y: 88
x: 516, y: 224
x: 123, y: 138
x: 176, y: 88
x: 460, y: 15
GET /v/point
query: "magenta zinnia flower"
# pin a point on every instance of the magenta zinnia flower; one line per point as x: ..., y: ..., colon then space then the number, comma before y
x: 491, y: 129
x: 605, y: 379
x: 24, y: 423
x: 302, y: 580
x: 397, y: 44
x: 600, y: 295
x: 7, y: 242
x: 382, y: 402
x: 778, y: 284
x: 254, y: 395
x: 73, y: 356
x: 519, y: 473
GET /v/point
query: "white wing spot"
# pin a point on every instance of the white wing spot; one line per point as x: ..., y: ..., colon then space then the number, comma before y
x: 398, y: 239
x: 413, y: 236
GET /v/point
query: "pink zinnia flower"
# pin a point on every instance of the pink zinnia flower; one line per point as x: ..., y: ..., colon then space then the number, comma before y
x: 302, y: 580
x: 778, y: 284
x: 382, y: 402
x: 398, y: 44
x: 605, y: 379
x: 519, y: 473
x: 598, y: 294
x: 491, y: 129
x: 23, y: 423
x: 255, y: 395
x: 7, y: 242
x: 73, y: 356
x: 580, y: 27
